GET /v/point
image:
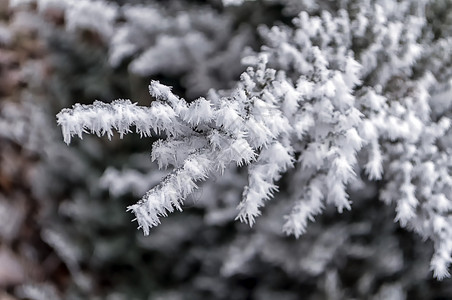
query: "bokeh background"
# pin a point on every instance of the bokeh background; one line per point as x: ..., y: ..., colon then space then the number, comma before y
x: 64, y: 229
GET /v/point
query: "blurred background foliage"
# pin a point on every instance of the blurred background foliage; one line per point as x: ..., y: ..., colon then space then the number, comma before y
x: 64, y: 232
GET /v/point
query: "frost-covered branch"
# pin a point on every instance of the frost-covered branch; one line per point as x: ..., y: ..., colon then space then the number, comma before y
x: 101, y: 118
x: 331, y: 100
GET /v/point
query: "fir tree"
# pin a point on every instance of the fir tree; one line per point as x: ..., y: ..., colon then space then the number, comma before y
x: 331, y: 87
